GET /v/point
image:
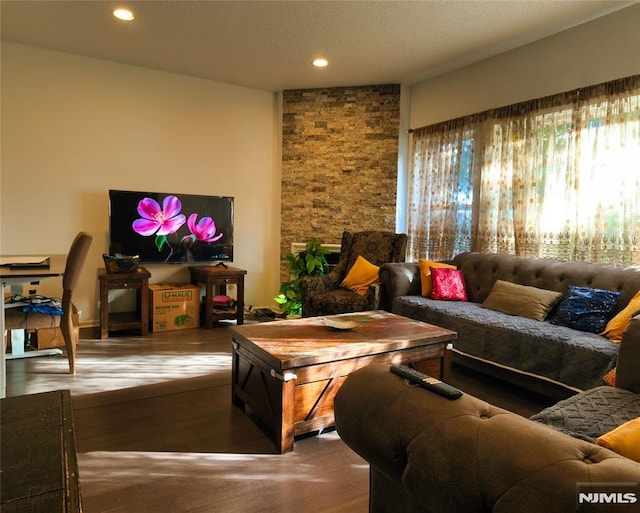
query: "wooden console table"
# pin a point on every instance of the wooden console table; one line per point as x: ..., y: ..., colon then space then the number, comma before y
x: 138, y: 281
x: 39, y: 463
x: 216, y: 278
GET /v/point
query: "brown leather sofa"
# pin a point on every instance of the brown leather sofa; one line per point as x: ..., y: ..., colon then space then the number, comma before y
x: 552, y: 360
x: 428, y: 454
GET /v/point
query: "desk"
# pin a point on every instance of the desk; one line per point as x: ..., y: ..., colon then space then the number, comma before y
x: 39, y: 462
x: 15, y: 278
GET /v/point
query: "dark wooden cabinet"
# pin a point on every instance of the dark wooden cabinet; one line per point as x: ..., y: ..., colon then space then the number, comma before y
x: 215, y: 279
x: 138, y: 319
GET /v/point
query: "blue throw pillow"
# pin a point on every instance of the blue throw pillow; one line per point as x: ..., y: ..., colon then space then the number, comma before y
x: 585, y: 309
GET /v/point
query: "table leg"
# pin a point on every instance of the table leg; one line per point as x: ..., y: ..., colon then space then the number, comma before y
x: 446, y: 363
x: 240, y: 301
x: 235, y: 358
x: 104, y: 310
x: 208, y: 304
x: 285, y: 432
x: 17, y: 343
x: 144, y: 307
x: 3, y: 363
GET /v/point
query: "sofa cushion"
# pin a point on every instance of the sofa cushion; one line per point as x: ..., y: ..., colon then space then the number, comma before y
x: 339, y: 301
x: 591, y: 413
x: 426, y: 284
x: 448, y: 284
x: 514, y: 299
x: 360, y: 276
x: 575, y: 358
x: 615, y: 327
x: 624, y: 439
x: 585, y: 309
x: 610, y: 377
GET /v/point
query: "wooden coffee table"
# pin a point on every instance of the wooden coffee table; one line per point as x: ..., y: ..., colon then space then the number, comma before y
x: 288, y: 372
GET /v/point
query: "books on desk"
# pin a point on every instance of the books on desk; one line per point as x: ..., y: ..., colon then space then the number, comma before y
x: 24, y: 261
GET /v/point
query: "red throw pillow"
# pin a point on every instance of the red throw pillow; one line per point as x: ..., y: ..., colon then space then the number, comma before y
x: 448, y: 284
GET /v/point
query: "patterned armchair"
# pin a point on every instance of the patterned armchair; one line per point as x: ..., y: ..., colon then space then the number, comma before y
x: 322, y: 295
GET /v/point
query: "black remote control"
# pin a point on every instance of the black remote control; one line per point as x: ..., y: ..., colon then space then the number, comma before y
x: 426, y: 381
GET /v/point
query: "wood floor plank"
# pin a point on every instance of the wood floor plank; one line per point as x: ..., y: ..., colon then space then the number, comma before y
x: 156, y: 431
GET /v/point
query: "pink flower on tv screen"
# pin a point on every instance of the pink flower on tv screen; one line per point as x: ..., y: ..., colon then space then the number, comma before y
x: 159, y: 221
x: 204, y: 230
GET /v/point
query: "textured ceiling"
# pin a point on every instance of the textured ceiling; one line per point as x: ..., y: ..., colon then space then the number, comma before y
x: 269, y: 45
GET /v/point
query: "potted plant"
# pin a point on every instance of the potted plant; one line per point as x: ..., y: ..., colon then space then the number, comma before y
x: 310, y: 262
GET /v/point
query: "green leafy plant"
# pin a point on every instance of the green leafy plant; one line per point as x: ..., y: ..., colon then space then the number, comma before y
x: 310, y: 262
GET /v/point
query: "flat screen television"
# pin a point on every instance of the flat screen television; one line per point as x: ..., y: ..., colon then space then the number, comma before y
x: 171, y: 227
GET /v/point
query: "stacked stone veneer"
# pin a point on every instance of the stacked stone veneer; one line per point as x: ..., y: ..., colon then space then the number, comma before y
x: 339, y: 163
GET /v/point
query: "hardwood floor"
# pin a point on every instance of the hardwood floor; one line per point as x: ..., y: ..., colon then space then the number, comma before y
x: 156, y: 431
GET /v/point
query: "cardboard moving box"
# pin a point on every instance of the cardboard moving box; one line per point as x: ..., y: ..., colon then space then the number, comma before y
x: 48, y: 338
x: 174, y: 306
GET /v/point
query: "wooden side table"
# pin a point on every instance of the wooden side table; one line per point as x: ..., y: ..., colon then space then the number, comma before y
x: 216, y: 278
x: 138, y: 281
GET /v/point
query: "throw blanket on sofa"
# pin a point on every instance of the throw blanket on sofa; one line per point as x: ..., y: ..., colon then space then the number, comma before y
x: 578, y: 359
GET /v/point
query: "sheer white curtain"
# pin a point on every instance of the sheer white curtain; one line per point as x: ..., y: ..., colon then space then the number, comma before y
x: 555, y: 177
x: 441, y: 192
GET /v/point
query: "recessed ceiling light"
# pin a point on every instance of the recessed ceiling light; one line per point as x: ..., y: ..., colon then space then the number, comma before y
x: 320, y: 63
x: 124, y: 14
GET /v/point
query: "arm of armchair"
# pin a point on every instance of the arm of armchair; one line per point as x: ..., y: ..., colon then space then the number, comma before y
x: 312, y: 285
x: 399, y: 279
x: 627, y: 373
x: 439, y: 456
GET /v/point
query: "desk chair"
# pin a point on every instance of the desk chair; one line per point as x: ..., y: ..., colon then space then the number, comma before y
x: 16, y: 319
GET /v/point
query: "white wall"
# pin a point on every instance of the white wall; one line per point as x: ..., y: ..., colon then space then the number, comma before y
x: 604, y: 49
x: 75, y: 127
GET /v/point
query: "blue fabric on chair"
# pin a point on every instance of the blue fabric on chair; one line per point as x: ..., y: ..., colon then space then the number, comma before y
x: 44, y: 309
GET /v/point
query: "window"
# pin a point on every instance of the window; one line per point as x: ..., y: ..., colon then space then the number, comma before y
x: 554, y: 177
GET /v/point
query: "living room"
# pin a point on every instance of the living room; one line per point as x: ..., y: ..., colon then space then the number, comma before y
x: 75, y: 126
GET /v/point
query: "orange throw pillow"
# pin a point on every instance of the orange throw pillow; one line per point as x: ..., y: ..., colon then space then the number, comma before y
x: 614, y: 328
x: 624, y: 439
x: 425, y: 274
x: 360, y: 276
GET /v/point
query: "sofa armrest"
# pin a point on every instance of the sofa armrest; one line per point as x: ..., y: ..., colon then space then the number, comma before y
x: 312, y: 285
x: 467, y: 455
x: 399, y: 279
x: 627, y: 371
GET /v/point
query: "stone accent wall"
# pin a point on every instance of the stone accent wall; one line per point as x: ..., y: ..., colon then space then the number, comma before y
x: 339, y: 163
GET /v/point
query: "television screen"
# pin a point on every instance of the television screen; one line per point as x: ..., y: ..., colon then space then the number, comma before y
x: 171, y: 228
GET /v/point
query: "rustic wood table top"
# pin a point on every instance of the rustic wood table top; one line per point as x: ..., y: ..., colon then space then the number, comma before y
x: 307, y: 341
